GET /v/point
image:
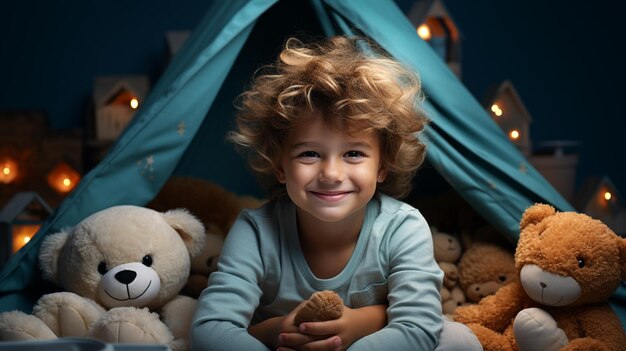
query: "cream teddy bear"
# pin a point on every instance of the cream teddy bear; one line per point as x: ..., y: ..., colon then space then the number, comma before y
x: 121, y: 270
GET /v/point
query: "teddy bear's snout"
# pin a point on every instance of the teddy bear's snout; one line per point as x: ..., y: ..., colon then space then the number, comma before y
x: 549, y: 288
x: 125, y: 276
x: 129, y: 284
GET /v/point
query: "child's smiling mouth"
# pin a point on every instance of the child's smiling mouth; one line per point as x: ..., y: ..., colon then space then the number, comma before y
x: 331, y: 196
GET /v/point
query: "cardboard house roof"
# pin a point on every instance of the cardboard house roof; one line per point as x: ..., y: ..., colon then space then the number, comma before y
x: 506, y: 87
x: 20, y: 203
x: 419, y: 11
x: 106, y: 87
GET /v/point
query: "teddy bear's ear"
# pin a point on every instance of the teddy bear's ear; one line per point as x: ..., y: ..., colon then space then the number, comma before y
x: 49, y: 253
x: 535, y: 214
x: 190, y: 229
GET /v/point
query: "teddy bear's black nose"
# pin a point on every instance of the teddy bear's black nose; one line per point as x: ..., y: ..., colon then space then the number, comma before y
x: 543, y: 285
x: 125, y: 276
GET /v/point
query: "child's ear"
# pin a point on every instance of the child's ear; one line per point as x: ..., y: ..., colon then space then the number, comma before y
x: 382, y: 175
x: 279, y: 172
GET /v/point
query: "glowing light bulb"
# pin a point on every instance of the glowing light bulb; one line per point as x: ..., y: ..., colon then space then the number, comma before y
x: 63, y: 178
x: 424, y: 32
x: 514, y: 134
x: 8, y: 170
x: 608, y: 195
x: 134, y: 103
x: 496, y: 110
x: 22, y: 234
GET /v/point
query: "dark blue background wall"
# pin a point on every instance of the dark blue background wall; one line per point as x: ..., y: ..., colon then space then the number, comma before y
x: 51, y: 50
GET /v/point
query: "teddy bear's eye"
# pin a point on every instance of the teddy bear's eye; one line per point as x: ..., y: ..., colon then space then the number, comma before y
x: 502, y: 278
x: 581, y: 262
x: 102, y: 268
x: 147, y: 260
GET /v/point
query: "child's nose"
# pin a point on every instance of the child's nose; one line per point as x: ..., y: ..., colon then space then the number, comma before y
x: 332, y: 171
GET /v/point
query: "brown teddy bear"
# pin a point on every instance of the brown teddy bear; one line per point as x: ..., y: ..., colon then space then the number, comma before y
x: 216, y: 207
x: 321, y: 306
x: 483, y: 269
x: 205, y: 263
x: 568, y: 265
x: 211, y: 203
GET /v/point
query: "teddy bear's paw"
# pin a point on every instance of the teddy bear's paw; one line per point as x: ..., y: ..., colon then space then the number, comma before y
x: 535, y: 329
x: 491, y: 340
x: 19, y: 326
x: 588, y: 343
x: 180, y: 345
x: 67, y: 314
x: 131, y: 325
x: 468, y: 313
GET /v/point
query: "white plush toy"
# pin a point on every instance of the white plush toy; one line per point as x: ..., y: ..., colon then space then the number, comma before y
x: 121, y: 269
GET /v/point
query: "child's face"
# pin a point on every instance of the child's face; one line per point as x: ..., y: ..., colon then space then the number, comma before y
x: 328, y: 173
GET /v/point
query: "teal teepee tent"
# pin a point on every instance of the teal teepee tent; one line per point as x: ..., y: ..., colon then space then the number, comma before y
x: 180, y: 128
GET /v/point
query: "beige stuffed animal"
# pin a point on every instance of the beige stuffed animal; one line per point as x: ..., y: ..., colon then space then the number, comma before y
x: 121, y: 270
x: 447, y: 251
x: 568, y: 265
x: 483, y: 269
x: 205, y: 263
x: 451, y: 299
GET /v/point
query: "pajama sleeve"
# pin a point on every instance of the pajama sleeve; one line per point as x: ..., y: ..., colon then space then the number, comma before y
x: 414, y: 312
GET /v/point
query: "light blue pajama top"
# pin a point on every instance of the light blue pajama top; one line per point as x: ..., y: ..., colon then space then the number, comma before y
x: 262, y: 273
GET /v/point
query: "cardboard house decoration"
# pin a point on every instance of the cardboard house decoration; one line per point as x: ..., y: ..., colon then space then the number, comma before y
x: 115, y: 101
x: 433, y: 23
x: 600, y: 199
x: 29, y: 151
x: 20, y: 219
x: 507, y: 109
x: 509, y: 112
x: 557, y: 165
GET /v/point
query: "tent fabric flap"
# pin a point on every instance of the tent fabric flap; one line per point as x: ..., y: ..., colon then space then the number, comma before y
x: 464, y: 144
x: 149, y: 149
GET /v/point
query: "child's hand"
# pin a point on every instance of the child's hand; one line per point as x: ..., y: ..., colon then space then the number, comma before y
x: 336, y: 334
x: 303, y: 342
x: 291, y: 337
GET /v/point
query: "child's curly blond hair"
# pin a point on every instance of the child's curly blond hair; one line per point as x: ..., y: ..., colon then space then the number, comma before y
x: 350, y: 89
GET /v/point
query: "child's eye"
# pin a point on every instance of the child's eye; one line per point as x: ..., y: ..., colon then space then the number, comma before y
x: 309, y: 154
x: 354, y: 154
